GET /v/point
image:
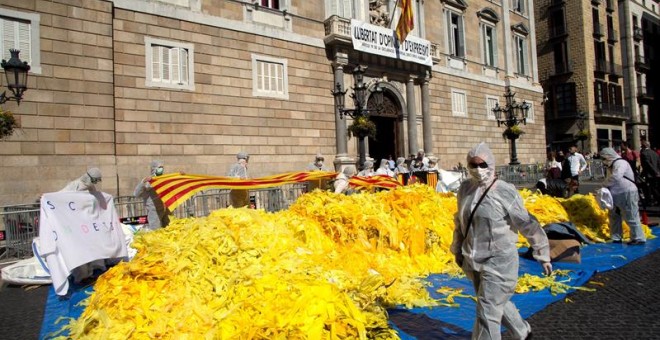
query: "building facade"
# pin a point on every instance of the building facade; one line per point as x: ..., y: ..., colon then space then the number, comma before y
x: 640, y: 27
x: 115, y: 84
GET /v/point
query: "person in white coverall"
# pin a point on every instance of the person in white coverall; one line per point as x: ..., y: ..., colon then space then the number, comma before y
x: 620, y: 181
x: 484, y: 246
x: 157, y: 214
x: 87, y: 181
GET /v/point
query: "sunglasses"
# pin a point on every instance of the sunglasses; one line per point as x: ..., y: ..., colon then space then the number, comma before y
x: 482, y: 165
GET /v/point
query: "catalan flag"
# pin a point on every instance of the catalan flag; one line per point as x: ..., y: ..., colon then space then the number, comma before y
x: 406, y: 22
x: 174, y: 189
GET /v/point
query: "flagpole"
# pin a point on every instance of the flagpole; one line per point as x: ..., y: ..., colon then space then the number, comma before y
x: 394, y: 11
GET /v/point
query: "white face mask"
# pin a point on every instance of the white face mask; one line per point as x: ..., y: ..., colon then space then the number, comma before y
x: 480, y: 174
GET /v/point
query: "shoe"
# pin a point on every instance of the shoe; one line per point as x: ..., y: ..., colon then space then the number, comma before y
x: 636, y: 243
x: 617, y: 241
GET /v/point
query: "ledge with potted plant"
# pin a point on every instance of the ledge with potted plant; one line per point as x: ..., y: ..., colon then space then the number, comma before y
x: 513, y: 132
x: 8, y: 124
x: 362, y: 127
x: 582, y: 134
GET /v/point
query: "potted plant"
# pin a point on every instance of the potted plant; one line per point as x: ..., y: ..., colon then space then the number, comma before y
x: 7, y: 124
x: 362, y: 126
x: 582, y: 135
x: 512, y: 132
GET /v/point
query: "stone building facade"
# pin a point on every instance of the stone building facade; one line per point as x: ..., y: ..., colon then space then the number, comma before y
x: 115, y: 84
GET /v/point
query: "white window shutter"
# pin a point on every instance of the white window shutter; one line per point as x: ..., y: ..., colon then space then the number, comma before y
x: 165, y: 59
x: 24, y: 41
x: 494, y: 41
x: 8, y: 37
x: 461, y: 38
x: 176, y: 71
x: 525, y: 57
x: 184, y: 66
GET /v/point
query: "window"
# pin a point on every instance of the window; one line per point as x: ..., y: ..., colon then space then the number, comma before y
x: 342, y: 8
x: 565, y: 100
x: 274, y: 4
x: 491, y: 102
x: 169, y: 64
x: 269, y: 77
x: 522, y: 65
x: 562, y: 64
x: 519, y: 6
x: 490, y: 45
x: 600, y: 94
x: 458, y: 103
x: 456, y: 35
x: 20, y: 30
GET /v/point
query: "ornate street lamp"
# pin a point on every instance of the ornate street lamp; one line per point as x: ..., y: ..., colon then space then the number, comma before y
x: 511, y: 115
x: 582, y: 134
x: 16, y: 72
x: 359, y: 113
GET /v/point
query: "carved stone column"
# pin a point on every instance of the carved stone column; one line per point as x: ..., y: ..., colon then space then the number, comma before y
x: 427, y: 128
x: 342, y: 158
x: 412, y: 116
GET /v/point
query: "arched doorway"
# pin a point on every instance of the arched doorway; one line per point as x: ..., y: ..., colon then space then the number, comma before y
x: 389, y: 138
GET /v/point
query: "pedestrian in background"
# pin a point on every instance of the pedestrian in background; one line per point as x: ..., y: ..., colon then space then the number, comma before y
x: 576, y: 163
x: 318, y: 164
x: 552, y: 166
x: 625, y: 198
x: 157, y: 213
x: 650, y: 163
x: 384, y: 169
x: 367, y: 170
x: 239, y: 197
x: 490, y: 214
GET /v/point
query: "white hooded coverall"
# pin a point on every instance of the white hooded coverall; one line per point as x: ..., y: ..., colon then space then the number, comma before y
x: 488, y: 252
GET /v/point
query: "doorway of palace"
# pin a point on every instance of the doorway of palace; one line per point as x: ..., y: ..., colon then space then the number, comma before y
x: 389, y: 130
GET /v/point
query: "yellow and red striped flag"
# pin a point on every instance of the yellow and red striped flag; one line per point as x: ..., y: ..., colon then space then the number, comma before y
x: 174, y: 189
x: 406, y: 22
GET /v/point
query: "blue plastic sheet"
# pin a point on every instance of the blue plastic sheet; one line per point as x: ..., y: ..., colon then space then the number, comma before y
x: 436, y: 322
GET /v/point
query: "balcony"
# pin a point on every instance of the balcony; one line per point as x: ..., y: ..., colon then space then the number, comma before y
x: 601, y: 66
x: 645, y: 93
x: 641, y: 63
x: 638, y: 33
x: 558, y: 31
x: 607, y: 110
x: 610, y: 5
x: 338, y: 32
x: 599, y: 31
x: 612, y: 36
x: 615, y: 69
x: 562, y: 69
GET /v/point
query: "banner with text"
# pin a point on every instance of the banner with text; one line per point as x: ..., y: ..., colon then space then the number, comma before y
x: 382, y: 41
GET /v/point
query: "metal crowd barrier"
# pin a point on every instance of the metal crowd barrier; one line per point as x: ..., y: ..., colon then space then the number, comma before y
x: 21, y: 222
x: 21, y: 225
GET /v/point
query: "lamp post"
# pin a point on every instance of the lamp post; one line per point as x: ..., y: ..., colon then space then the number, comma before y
x: 16, y: 72
x: 511, y: 115
x: 359, y: 113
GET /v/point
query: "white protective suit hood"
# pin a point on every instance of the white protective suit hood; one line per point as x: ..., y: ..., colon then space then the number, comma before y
x: 155, y: 164
x: 609, y: 155
x: 482, y: 151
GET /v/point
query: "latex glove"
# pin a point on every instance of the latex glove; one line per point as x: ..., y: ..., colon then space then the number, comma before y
x: 547, y: 268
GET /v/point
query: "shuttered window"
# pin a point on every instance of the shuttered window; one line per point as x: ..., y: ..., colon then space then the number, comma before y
x: 522, y: 63
x: 269, y: 77
x: 489, y: 39
x: 16, y: 34
x: 169, y: 64
x: 458, y: 103
x: 491, y: 102
x: 342, y: 8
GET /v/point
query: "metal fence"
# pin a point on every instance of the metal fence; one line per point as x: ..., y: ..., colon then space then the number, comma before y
x: 524, y: 174
x: 21, y: 225
x: 21, y: 222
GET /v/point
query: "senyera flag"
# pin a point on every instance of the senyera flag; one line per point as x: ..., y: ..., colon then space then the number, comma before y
x: 176, y: 188
x: 406, y: 22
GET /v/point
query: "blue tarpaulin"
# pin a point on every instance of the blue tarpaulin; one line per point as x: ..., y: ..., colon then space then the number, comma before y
x: 436, y: 322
